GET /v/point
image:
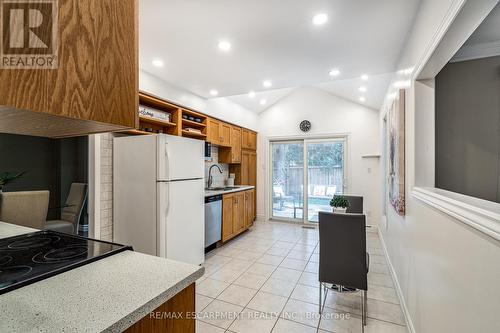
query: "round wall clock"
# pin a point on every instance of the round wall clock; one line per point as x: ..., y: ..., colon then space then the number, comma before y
x: 305, y: 125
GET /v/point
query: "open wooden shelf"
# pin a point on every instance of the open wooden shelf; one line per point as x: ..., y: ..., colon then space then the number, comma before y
x: 193, y: 113
x: 157, y: 121
x: 192, y: 123
x: 193, y: 134
x: 156, y: 103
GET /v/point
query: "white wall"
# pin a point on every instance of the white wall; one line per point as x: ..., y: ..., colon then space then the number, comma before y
x: 221, y: 108
x: 328, y: 114
x: 447, y: 272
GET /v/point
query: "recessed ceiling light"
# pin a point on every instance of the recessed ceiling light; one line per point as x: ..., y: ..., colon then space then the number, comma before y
x: 224, y: 45
x: 214, y: 92
x: 263, y: 102
x: 364, y: 77
x: 362, y: 89
x: 157, y: 63
x: 334, y: 72
x: 267, y: 84
x: 362, y: 99
x: 320, y: 19
x: 251, y: 94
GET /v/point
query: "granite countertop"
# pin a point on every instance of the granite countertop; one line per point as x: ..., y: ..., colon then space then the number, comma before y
x: 237, y: 188
x: 107, y: 295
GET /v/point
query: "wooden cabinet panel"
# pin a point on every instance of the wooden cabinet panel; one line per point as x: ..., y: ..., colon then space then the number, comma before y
x: 243, y: 170
x: 213, y: 131
x: 239, y: 212
x: 249, y: 208
x: 219, y: 133
x: 227, y: 216
x: 236, y: 144
x: 252, y: 140
x: 246, y: 174
x: 225, y: 135
x: 232, y: 154
x: 252, y: 169
x: 96, y: 81
x: 183, y: 303
x: 248, y: 139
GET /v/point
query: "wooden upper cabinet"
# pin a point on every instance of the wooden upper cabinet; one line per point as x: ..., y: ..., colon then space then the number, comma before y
x: 219, y: 133
x: 213, y: 131
x: 225, y: 134
x: 95, y: 85
x: 232, y: 154
x: 248, y: 139
x: 236, y: 144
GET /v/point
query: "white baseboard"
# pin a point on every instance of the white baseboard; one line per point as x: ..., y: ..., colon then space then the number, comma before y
x: 406, y: 313
x: 260, y: 217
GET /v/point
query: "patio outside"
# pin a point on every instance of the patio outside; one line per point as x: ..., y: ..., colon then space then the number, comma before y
x: 324, y: 168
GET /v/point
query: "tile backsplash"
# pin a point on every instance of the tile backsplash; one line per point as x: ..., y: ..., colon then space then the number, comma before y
x: 219, y: 178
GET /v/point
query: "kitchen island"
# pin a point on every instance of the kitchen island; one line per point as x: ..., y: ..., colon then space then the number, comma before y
x: 113, y: 294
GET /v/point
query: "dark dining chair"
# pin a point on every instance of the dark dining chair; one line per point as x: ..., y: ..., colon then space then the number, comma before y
x: 343, y: 260
x: 355, y: 204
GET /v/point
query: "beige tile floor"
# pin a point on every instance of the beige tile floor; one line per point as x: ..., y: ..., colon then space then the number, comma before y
x: 266, y: 280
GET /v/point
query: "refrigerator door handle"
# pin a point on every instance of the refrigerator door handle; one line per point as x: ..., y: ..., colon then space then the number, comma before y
x: 167, y: 198
x: 167, y: 162
x: 162, y: 210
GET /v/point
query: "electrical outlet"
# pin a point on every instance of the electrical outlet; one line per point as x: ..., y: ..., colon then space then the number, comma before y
x: 369, y: 214
x: 369, y: 170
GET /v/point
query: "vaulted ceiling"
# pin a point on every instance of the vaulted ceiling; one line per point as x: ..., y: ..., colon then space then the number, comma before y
x: 274, y: 40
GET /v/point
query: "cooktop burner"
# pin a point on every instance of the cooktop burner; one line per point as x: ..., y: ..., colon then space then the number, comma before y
x: 32, y: 257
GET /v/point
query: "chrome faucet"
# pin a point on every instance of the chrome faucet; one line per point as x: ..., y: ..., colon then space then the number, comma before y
x: 210, y: 178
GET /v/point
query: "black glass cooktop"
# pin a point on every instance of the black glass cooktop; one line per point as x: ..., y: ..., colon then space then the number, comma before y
x: 28, y: 258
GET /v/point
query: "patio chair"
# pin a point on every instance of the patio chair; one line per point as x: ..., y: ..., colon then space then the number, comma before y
x: 280, y: 197
x: 331, y: 190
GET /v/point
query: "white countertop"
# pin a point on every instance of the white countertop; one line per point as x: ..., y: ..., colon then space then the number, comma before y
x: 107, y: 295
x: 237, y: 188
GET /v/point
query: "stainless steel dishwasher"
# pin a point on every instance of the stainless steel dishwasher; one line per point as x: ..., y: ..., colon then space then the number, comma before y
x: 213, y: 219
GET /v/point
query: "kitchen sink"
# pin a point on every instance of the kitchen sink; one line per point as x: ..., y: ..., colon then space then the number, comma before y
x: 220, y: 188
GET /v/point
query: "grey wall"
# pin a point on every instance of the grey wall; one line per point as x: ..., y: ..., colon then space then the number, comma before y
x: 468, y: 128
x: 49, y: 164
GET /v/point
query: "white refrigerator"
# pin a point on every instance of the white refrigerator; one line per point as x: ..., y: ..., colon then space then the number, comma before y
x: 158, y: 196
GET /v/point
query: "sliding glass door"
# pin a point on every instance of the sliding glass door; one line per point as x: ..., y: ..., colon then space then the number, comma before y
x: 325, y: 174
x: 305, y: 176
x: 287, y: 159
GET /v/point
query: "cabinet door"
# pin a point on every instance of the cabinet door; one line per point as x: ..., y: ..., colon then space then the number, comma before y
x: 239, y: 212
x: 252, y: 140
x: 94, y: 87
x: 252, y: 169
x: 235, y: 145
x: 213, y: 131
x: 245, y: 138
x: 225, y: 134
x: 245, y: 163
x: 227, y: 216
x: 249, y: 208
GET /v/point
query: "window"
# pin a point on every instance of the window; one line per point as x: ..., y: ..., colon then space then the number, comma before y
x: 467, y: 120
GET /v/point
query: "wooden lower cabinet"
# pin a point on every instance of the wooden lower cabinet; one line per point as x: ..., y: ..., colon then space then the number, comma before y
x: 249, y: 208
x: 237, y: 213
x: 181, y: 308
x: 227, y: 217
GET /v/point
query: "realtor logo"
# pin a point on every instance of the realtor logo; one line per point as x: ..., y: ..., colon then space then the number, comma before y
x: 29, y: 34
